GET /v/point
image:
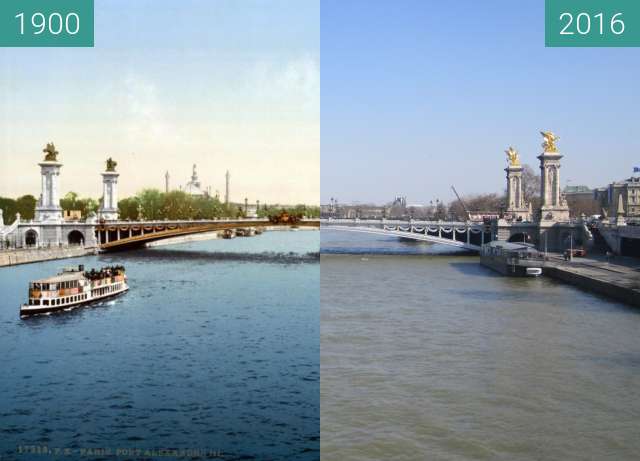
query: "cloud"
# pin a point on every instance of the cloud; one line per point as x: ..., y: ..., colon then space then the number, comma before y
x: 297, y: 80
x: 138, y: 109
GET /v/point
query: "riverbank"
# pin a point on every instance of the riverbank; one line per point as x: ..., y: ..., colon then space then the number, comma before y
x: 184, y: 239
x: 618, y: 281
x: 32, y: 255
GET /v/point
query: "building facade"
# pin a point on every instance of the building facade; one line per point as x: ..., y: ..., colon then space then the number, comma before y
x: 626, y: 192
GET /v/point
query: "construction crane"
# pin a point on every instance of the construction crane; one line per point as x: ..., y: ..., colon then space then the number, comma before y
x: 466, y: 210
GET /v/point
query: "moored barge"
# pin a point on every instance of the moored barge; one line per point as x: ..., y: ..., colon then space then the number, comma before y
x: 74, y: 287
x: 513, y: 259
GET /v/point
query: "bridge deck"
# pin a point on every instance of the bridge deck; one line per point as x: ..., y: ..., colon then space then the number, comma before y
x: 110, y: 234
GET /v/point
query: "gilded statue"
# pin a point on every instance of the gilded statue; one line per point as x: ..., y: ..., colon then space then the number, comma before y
x: 51, y: 154
x: 549, y: 143
x: 111, y: 164
x: 512, y: 155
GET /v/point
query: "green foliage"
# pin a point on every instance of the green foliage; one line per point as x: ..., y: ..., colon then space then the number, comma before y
x: 71, y: 201
x: 151, y: 204
x: 303, y: 210
x: 25, y: 205
x: 207, y: 208
x: 178, y: 205
x: 9, y: 209
x: 128, y: 208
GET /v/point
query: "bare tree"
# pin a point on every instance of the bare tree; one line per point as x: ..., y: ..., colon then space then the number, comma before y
x: 531, y: 186
x: 582, y: 205
x: 477, y: 204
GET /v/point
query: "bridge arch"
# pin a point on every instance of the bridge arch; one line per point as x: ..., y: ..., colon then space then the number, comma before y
x: 75, y: 237
x: 568, y: 239
x: 449, y: 234
x: 31, y: 238
x: 521, y: 237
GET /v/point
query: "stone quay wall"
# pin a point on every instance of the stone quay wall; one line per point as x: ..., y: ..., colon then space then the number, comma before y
x: 26, y: 256
x: 624, y: 292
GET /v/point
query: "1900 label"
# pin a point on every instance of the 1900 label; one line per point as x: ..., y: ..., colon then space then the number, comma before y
x: 46, y: 23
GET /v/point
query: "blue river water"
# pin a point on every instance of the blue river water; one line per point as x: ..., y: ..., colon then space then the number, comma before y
x: 215, y: 349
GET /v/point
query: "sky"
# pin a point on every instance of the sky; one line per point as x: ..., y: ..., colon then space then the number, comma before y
x: 225, y: 84
x: 421, y: 95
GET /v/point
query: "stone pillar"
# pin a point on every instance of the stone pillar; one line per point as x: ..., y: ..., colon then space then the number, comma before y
x: 48, y: 208
x: 227, y: 178
x: 553, y: 207
x: 109, y: 208
x: 620, y: 215
x: 516, y: 206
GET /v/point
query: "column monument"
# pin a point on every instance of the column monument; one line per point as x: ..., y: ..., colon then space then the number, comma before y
x: 553, y: 207
x: 109, y: 208
x: 516, y: 206
x: 48, y: 206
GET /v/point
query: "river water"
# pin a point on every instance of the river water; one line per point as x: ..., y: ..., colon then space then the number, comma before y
x: 215, y: 348
x: 427, y: 355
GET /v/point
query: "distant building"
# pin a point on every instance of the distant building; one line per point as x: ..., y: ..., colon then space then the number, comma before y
x: 72, y: 215
x: 608, y: 197
x: 578, y: 192
x: 194, y: 187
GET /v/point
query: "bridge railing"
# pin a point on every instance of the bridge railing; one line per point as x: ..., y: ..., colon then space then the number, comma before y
x: 398, y: 222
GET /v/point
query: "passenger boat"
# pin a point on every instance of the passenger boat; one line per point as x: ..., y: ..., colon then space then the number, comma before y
x: 513, y: 259
x: 74, y: 287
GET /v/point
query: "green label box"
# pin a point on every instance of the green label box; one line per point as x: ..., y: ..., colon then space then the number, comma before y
x: 46, y: 23
x: 592, y: 23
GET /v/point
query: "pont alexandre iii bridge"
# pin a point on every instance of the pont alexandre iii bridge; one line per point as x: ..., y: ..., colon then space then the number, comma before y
x: 121, y: 235
x: 469, y: 235
x: 106, y: 232
x: 549, y: 227
x: 466, y: 235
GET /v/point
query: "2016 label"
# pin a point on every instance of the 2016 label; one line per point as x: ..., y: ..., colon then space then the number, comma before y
x: 582, y: 24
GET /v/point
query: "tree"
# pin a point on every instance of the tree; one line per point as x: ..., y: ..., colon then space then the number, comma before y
x: 580, y: 205
x: 441, y: 211
x: 26, y: 206
x: 531, y: 186
x: 207, y: 207
x: 88, y: 205
x: 177, y: 205
x: 9, y: 209
x: 477, y: 204
x: 151, y: 203
x: 128, y: 208
x: 69, y: 201
x: 72, y: 201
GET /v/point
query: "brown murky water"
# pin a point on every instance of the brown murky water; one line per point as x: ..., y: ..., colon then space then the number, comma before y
x: 434, y: 357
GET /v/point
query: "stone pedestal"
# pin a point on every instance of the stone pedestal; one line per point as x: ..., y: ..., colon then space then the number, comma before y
x: 48, y: 207
x: 554, y: 207
x: 109, y: 207
x: 516, y: 206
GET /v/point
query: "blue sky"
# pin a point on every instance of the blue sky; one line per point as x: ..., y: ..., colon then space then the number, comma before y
x: 224, y: 84
x: 420, y: 95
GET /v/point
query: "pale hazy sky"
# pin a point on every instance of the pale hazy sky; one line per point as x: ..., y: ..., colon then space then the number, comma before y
x: 223, y: 84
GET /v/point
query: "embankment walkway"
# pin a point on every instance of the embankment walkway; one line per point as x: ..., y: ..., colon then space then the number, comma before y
x: 619, y: 280
x: 32, y: 255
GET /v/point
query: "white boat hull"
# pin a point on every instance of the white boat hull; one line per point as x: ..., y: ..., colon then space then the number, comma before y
x: 27, y: 310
